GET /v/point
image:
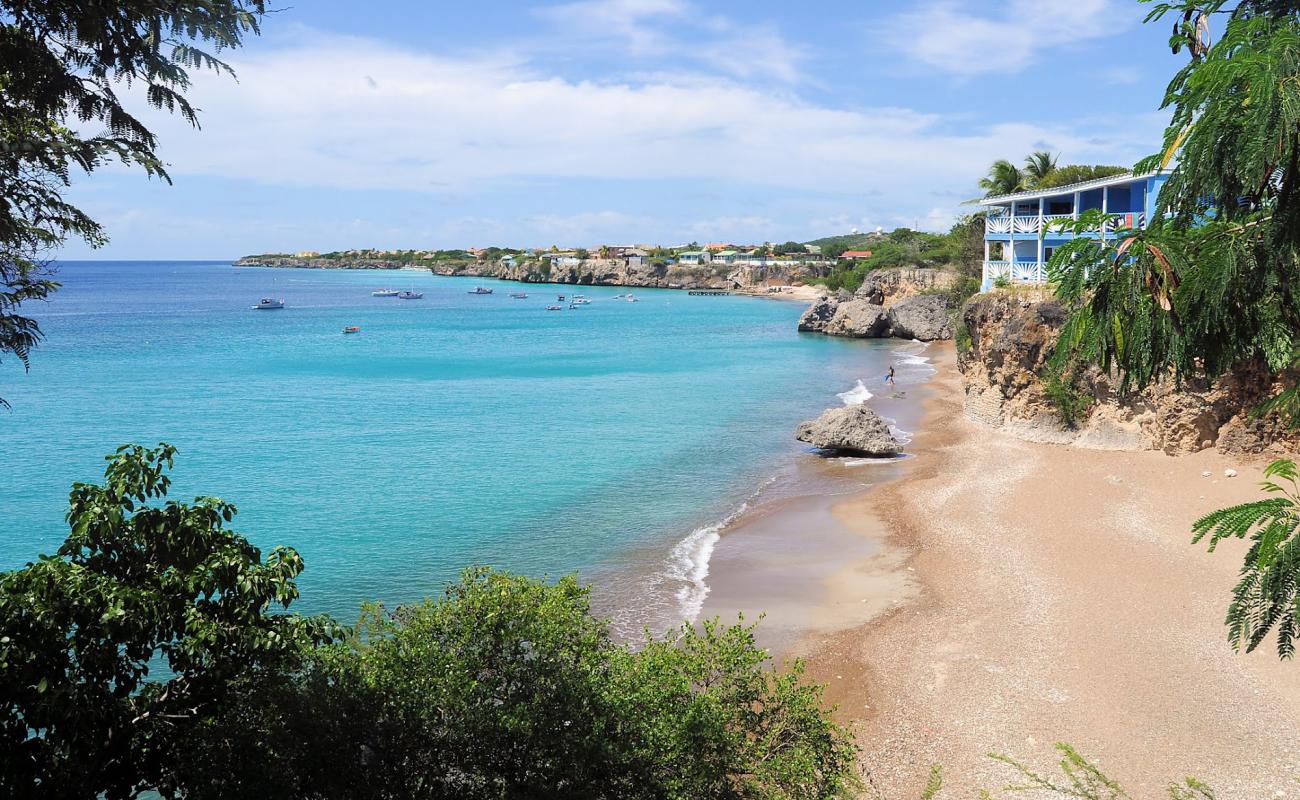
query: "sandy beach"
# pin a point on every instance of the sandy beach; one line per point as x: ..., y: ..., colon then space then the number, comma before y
x: 1032, y: 594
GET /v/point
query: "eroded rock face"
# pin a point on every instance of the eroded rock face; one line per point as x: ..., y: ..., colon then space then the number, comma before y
x: 818, y: 315
x: 890, y: 302
x: 852, y: 429
x: 888, y: 286
x: 858, y: 319
x: 923, y: 316
x: 1012, y: 338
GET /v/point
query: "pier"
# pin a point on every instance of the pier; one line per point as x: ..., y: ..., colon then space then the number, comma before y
x: 709, y: 292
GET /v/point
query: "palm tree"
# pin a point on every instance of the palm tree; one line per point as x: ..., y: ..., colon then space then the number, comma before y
x: 1038, y: 165
x: 1003, y: 178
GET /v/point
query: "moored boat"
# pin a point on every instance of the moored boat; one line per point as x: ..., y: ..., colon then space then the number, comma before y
x: 519, y: 295
x: 410, y: 295
x: 554, y: 308
x: 352, y: 329
x: 268, y: 304
x: 384, y: 293
x: 481, y: 290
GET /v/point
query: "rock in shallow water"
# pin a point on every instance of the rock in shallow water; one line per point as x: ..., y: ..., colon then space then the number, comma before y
x: 852, y: 429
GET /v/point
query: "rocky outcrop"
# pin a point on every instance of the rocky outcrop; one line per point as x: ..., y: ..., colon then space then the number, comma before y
x: 1012, y: 336
x: 819, y: 315
x: 854, y: 430
x: 924, y: 316
x: 858, y: 319
x: 904, y: 303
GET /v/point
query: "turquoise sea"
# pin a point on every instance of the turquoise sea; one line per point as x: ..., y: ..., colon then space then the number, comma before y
x: 453, y: 430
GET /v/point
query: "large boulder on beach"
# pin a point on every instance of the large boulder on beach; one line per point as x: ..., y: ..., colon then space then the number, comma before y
x: 819, y: 314
x: 922, y: 316
x: 858, y: 319
x: 851, y: 429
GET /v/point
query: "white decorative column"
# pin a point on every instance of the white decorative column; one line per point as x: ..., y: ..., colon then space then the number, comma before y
x: 1105, y: 209
x: 1038, y: 269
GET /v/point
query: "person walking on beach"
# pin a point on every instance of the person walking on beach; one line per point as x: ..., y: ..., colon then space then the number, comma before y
x: 889, y: 379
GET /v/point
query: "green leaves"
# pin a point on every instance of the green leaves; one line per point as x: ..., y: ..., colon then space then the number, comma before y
x: 1267, y: 596
x: 63, y: 68
x: 136, y: 589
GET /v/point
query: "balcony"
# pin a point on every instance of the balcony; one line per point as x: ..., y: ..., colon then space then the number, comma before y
x: 1036, y: 225
x: 1015, y: 272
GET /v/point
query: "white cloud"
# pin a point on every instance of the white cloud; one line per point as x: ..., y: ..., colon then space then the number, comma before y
x: 949, y: 37
x: 627, y: 23
x: 656, y: 28
x: 353, y: 113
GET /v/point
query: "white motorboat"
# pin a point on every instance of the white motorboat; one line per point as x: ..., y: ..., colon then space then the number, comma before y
x: 519, y: 295
x: 385, y: 293
x: 409, y: 295
x: 268, y: 304
x: 481, y: 290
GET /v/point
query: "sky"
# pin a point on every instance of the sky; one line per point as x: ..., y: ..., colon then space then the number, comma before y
x: 414, y: 124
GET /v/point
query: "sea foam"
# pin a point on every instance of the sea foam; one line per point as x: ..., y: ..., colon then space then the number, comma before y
x: 856, y: 396
x: 688, y: 563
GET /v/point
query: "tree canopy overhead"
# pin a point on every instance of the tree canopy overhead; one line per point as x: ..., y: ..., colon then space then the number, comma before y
x: 63, y: 69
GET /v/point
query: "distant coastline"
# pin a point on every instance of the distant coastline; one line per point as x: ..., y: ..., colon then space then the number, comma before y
x: 784, y: 280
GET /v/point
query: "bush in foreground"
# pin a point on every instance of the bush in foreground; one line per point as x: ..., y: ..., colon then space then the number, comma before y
x: 502, y: 687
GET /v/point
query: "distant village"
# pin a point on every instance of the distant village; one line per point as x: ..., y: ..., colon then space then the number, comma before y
x: 715, y: 254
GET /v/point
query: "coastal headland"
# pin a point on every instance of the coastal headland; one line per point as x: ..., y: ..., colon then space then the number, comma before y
x: 1016, y: 594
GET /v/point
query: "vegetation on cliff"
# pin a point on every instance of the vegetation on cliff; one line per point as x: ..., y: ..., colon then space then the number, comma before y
x: 961, y: 248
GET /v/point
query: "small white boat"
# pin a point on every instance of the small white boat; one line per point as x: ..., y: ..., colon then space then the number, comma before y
x: 560, y: 297
x: 554, y: 308
x: 409, y: 295
x: 481, y: 290
x: 352, y: 329
x: 385, y: 293
x: 579, y: 300
x: 268, y: 304
x: 631, y: 299
x: 519, y: 295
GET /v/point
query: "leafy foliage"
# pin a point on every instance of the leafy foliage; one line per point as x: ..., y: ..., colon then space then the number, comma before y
x: 961, y: 247
x: 1038, y: 166
x: 66, y: 63
x: 1003, y: 178
x: 508, y: 687
x: 1211, y: 282
x: 1267, y: 596
x: 1077, y: 173
x: 136, y: 588
x: 145, y: 656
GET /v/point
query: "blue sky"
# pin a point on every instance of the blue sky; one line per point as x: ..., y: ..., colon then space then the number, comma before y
x: 440, y: 124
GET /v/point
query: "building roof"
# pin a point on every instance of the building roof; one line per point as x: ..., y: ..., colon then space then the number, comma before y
x: 856, y: 254
x: 1095, y: 183
x: 725, y: 253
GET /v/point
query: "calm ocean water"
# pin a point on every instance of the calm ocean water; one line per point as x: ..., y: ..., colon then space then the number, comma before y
x: 451, y: 431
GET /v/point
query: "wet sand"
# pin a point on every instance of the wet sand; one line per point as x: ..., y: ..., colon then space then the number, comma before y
x: 1051, y: 594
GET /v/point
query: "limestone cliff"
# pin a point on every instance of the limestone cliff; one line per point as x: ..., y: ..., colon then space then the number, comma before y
x: 1012, y: 336
x: 904, y: 303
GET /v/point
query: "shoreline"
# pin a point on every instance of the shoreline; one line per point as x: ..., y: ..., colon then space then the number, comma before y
x: 839, y: 573
x: 1052, y: 594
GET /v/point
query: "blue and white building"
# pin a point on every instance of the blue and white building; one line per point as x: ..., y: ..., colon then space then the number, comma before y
x: 1015, y: 245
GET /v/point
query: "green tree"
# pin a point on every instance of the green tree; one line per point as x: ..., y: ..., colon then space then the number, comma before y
x: 62, y: 64
x: 1003, y: 178
x: 1039, y: 165
x: 1211, y: 284
x: 1077, y: 173
x: 1267, y: 596
x: 136, y: 588
x: 509, y: 687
